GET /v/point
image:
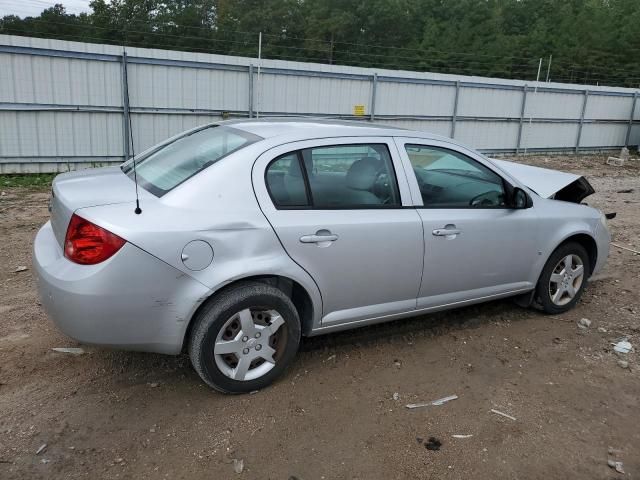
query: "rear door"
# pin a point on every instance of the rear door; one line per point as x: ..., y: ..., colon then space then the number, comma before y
x: 337, y: 207
x: 475, y: 245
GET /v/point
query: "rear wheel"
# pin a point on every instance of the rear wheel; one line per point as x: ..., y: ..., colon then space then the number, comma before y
x: 563, y: 278
x: 245, y: 338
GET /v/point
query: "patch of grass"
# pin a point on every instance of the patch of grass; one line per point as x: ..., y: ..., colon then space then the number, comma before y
x: 36, y: 180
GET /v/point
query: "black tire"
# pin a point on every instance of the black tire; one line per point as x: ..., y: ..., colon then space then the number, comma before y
x: 543, y: 296
x: 214, y: 316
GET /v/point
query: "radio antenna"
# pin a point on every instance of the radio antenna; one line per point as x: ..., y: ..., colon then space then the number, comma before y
x: 125, y: 83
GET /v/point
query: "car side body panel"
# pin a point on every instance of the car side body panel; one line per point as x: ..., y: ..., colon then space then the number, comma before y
x: 390, y: 266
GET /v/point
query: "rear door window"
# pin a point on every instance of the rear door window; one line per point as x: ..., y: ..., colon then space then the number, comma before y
x: 335, y: 177
x: 286, y: 183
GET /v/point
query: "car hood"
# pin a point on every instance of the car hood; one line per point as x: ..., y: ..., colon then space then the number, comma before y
x: 548, y: 183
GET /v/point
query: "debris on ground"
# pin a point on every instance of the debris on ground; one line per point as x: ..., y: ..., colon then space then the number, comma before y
x: 396, y: 396
x: 42, y: 448
x: 602, y: 330
x: 625, y: 248
x: 615, y: 161
x: 71, y: 350
x: 438, y: 402
x: 617, y: 466
x: 21, y: 268
x: 584, y: 323
x: 623, y: 346
x: 154, y: 384
x: 625, y: 190
x: 498, y: 412
x: 462, y: 436
x: 624, y: 153
x: 433, y: 444
x: 623, y: 364
x: 238, y: 465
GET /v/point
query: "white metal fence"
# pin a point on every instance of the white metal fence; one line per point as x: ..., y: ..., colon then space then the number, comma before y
x: 63, y: 104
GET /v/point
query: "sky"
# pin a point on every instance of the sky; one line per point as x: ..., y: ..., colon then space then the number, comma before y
x: 32, y: 8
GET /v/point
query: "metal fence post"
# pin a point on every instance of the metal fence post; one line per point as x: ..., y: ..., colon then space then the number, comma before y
x: 584, y: 109
x: 633, y: 111
x: 124, y: 84
x: 454, y: 115
x: 374, y: 88
x: 251, y: 91
x: 522, y: 110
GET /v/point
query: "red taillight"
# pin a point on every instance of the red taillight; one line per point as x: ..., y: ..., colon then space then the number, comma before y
x: 88, y: 244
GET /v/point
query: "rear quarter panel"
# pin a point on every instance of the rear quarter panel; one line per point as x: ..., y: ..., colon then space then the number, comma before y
x: 219, y: 207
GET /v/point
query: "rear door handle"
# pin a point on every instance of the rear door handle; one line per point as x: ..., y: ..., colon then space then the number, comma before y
x: 445, y: 232
x: 318, y: 238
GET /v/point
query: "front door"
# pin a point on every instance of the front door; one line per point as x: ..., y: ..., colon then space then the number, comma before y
x: 336, y: 206
x: 476, y: 247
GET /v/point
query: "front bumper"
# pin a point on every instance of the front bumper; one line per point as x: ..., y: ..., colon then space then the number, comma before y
x: 132, y: 301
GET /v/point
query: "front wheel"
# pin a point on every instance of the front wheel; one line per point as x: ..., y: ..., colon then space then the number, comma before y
x: 245, y: 338
x: 563, y: 278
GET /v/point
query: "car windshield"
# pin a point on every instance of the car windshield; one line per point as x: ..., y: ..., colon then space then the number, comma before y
x: 166, y: 167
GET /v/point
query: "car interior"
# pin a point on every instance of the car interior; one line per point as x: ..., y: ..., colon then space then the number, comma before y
x: 362, y: 176
x: 346, y: 176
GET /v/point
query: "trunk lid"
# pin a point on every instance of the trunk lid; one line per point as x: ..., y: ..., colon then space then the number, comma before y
x: 87, y: 188
x: 548, y: 183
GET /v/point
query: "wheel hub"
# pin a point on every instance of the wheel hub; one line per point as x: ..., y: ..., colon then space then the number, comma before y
x: 249, y: 343
x: 566, y: 280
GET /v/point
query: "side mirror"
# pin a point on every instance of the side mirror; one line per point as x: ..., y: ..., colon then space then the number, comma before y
x: 520, y: 199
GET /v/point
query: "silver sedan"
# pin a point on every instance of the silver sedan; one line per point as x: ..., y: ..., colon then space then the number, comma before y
x: 252, y: 233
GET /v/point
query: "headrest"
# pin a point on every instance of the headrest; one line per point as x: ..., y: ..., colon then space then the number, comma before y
x: 363, y: 173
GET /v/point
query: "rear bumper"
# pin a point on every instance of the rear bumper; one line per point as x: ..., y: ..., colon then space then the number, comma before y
x: 131, y: 301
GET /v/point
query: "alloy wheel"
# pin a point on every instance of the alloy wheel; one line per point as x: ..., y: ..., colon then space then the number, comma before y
x: 566, y: 279
x: 249, y: 343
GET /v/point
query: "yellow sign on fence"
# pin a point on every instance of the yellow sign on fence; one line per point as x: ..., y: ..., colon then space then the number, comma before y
x: 358, y: 110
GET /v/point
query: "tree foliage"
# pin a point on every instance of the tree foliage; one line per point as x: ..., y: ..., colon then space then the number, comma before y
x: 591, y: 41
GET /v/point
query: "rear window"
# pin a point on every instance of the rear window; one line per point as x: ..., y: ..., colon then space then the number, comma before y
x: 168, y: 166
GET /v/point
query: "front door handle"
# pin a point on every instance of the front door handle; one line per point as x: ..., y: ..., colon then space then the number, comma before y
x: 443, y: 232
x: 449, y: 230
x: 318, y: 238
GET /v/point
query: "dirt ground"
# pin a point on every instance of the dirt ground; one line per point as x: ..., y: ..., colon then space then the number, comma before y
x: 339, y: 412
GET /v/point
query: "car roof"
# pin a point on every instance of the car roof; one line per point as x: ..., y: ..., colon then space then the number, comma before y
x: 301, y: 128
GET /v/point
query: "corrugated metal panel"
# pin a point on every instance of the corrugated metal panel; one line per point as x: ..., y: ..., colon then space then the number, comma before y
x: 549, y: 135
x: 414, y: 99
x: 635, y: 135
x: 157, y: 86
x: 603, y: 135
x: 481, y: 102
x: 311, y: 95
x: 553, y: 105
x: 608, y: 108
x: 437, y: 127
x: 52, y: 80
x: 60, y: 134
x: 488, y: 135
